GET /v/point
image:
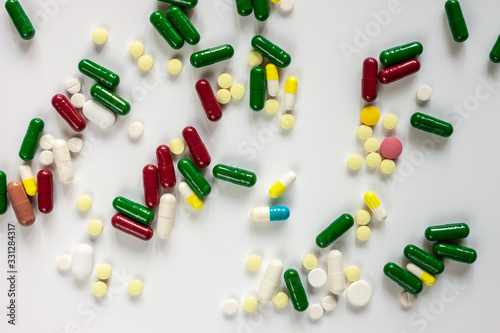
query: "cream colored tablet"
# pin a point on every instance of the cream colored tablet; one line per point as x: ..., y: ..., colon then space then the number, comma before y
x: 329, y: 303
x: 237, y: 91
x: 287, y: 121
x: 75, y: 145
x: 135, y: 130
x: 64, y: 262
x: 84, y: 203
x: 250, y: 304
x: 135, y: 287
x: 371, y: 145
x: 390, y: 121
x: 100, y: 36
x: 145, y: 62
x: 271, y: 106
x: 94, y: 227
x: 359, y: 293
x: 387, y: 166
x: 136, y: 49
x: 99, y: 289
x: 355, y: 162
x: 373, y: 160
x: 174, y: 66
x: 363, y: 233
x: 310, y: 261
x: 46, y: 141
x: 281, y: 299
x: 177, y: 146
x: 223, y: 96
x: 362, y: 217
x: 316, y: 310
x: 254, y: 262
x: 103, y: 271
x: 352, y: 273
x: 230, y: 307
x: 225, y: 81
x: 254, y: 58
x: 46, y: 157
x: 364, y: 132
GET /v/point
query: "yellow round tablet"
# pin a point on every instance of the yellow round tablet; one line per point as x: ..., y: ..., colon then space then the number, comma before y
x: 363, y: 233
x: 355, y: 162
x: 364, y: 132
x: 174, y: 66
x: 135, y: 287
x: 362, y: 217
x: 99, y: 36
x: 370, y: 115
x: 271, y: 106
x: 225, y: 81
x: 237, y: 91
x: 94, y: 227
x: 103, y: 271
x: 352, y: 273
x: 371, y: 145
x: 145, y: 63
x: 287, y: 121
x: 84, y: 203
x: 254, y: 262
x: 387, y: 166
x: 99, y: 289
x: 373, y: 160
x: 254, y: 58
x: 250, y: 304
x: 177, y: 146
x: 310, y: 261
x: 281, y: 299
x: 223, y: 96
x: 136, y: 49
x: 390, y: 121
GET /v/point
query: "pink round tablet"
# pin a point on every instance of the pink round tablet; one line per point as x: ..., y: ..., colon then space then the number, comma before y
x: 391, y: 148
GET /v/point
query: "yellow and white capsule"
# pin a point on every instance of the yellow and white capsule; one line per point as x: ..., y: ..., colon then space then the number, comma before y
x: 290, y: 92
x: 421, y: 274
x: 374, y: 204
x: 273, y: 83
x: 190, y: 196
x: 28, y: 179
x: 281, y: 185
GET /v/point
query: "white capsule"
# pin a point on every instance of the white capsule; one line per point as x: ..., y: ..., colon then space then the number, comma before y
x: 63, y: 161
x: 336, y: 273
x: 46, y: 157
x: 270, y: 281
x: 46, y: 141
x: 98, y: 114
x: 166, y: 213
x: 83, y: 261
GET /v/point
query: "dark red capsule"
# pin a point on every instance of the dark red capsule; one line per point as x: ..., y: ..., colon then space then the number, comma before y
x: 64, y: 107
x: 151, y: 188
x: 166, y: 168
x: 45, y: 191
x: 129, y: 226
x: 208, y: 100
x: 369, y: 82
x: 399, y: 71
x: 196, y: 147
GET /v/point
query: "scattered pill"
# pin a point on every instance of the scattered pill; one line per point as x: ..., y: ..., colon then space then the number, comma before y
x: 68, y: 112
x: 373, y: 160
x: 211, y: 56
x: 45, y: 191
x: 237, y: 91
x: 99, y: 36
x: 273, y: 83
x: 131, y: 227
x: 99, y: 289
x: 390, y: 121
x: 282, y: 184
x: 230, y: 307
x: 281, y: 299
x: 225, y: 81
x: 94, y: 227
x: 430, y: 124
x: 177, y: 146
x: 166, y: 170
x: 78, y: 100
x: 455, y: 252
x: 317, y: 278
x: 83, y: 261
x: 374, y: 204
x: 316, y: 310
x: 64, y: 263
x: 257, y: 88
x: 371, y: 145
x: 370, y: 115
x: 223, y: 96
x: 145, y: 62
x: 352, y: 273
x: 20, y: 203
x: 424, y: 93
x: 244, y: 7
x: 261, y: 9
x: 290, y: 93
x: 369, y: 81
x: 135, y: 287
x: 329, y: 303
x: 20, y: 20
x: 287, y: 5
x: 424, y: 259
x: 364, y: 132
x: 135, y: 130
x: 98, y: 114
x: 254, y: 262
x: 287, y: 121
x: 194, y: 178
x: 421, y: 274
x: 62, y: 158
x: 194, y: 201
x: 452, y: 231
x: 75, y: 145
x: 456, y: 20
x: 359, y: 293
x: 401, y: 53
x: 31, y: 139
x: 174, y: 66
x: 183, y: 25
x: 495, y: 52
x: 166, y: 214
x: 362, y: 217
x: 250, y: 304
x: 28, y: 179
x: 391, y: 148
x: 103, y: 271
x: 196, y: 147
x: 407, y: 299
x: 110, y: 100
x: 84, y: 203
x: 99, y: 73
x: 310, y: 261
x: 355, y: 162
x: 133, y: 210
x: 136, y: 49
x: 363, y: 233
x: 403, y: 278
x: 270, y: 281
x: 271, y: 106
x: 161, y: 23
x: 336, y: 229
x: 336, y: 273
x: 151, y: 186
x: 73, y: 86
x: 398, y: 71
x: 254, y: 58
x: 46, y: 141
x: 273, y: 213
x: 387, y: 166
x: 297, y: 292
x: 271, y: 51
x: 234, y: 175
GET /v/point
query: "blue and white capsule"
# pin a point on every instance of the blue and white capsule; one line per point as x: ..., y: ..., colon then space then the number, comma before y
x: 273, y: 213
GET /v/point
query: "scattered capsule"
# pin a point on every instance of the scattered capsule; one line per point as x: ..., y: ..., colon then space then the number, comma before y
x: 98, y: 114
x: 166, y: 29
x: 68, y: 112
x: 133, y: 210
x: 151, y: 188
x: 273, y: 213
x: 297, y: 292
x: 282, y: 184
x: 235, y: 175
x: 290, y: 93
x: 194, y: 178
x: 421, y: 274
x: 495, y: 52
x: 208, y: 100
x: 183, y: 25
x: 131, y: 227
x: 191, y: 197
x: 336, y: 272
x: 401, y: 53
x: 3, y: 192
x: 45, y: 191
x: 28, y: 179
x: 31, y: 138
x: 369, y: 81
x: 438, y: 233
x: 110, y: 100
x: 456, y: 21
x: 273, y: 83
x: 182, y: 3
x: 430, y: 124
x: 257, y: 88
x: 399, y: 71
x: 20, y: 203
x: 99, y: 73
x: 424, y: 259
x: 374, y: 204
x: 166, y: 169
x: 271, y: 51
x: 336, y: 229
x: 211, y: 56
x: 166, y: 213
x: 455, y: 252
x: 196, y: 147
x: 20, y: 20
x: 404, y: 279
x: 244, y: 7
x: 62, y: 158
x: 261, y: 9
x: 270, y: 281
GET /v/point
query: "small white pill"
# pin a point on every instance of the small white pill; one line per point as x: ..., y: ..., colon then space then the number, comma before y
x: 83, y: 261
x: 78, y: 100
x: 315, y: 311
x: 73, y: 86
x: 329, y: 303
x: 424, y: 93
x: 46, y: 157
x: 317, y: 278
x: 75, y: 145
x: 407, y: 299
x: 46, y: 141
x: 135, y: 130
x: 230, y: 307
x: 359, y: 293
x: 287, y: 5
x: 98, y: 114
x: 64, y: 263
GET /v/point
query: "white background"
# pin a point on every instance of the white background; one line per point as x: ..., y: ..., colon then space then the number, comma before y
x: 188, y: 276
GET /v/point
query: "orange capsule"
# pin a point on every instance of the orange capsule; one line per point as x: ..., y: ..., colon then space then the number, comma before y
x: 21, y: 204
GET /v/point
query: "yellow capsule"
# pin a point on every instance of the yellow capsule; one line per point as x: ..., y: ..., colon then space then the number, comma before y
x: 421, y: 274
x: 374, y: 204
x: 281, y: 185
x: 190, y: 196
x: 290, y: 92
x: 28, y: 180
x: 273, y: 84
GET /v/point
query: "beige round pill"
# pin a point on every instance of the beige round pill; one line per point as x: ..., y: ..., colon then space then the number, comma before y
x: 46, y: 157
x: 373, y: 160
x: 362, y: 217
x: 103, y: 271
x: 387, y: 166
x: 223, y: 96
x: 94, y: 227
x: 99, y: 289
x: 316, y: 310
x: 254, y: 58
x: 84, y: 203
x: 237, y: 91
x: 281, y: 299
x: 73, y: 86
x: 310, y: 261
x: 136, y: 49
x: 250, y: 304
x: 254, y: 262
x: 390, y: 121
x: 177, y: 146
x: 230, y: 307
x: 75, y: 145
x: 135, y: 130
x: 78, y: 100
x: 352, y: 273
x: 145, y: 62
x: 364, y: 132
x: 424, y: 93
x: 174, y: 66
x: 329, y: 303
x: 271, y: 106
x: 64, y: 262
x: 287, y: 121
x: 363, y: 233
x: 355, y: 162
x: 225, y: 81
x: 371, y: 145
x: 407, y: 299
x: 135, y: 287
x: 99, y: 36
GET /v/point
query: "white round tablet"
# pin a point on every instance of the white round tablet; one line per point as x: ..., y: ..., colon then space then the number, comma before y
x: 46, y: 157
x: 407, y: 299
x: 75, y: 145
x: 424, y: 93
x: 230, y: 307
x: 317, y: 277
x: 46, y: 141
x: 329, y: 303
x: 315, y: 311
x: 287, y: 5
x: 135, y: 130
x: 64, y: 263
x: 73, y: 86
x: 78, y: 100
x: 359, y: 293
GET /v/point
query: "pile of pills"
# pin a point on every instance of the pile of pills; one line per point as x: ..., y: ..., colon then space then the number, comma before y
x: 228, y: 90
x: 144, y: 61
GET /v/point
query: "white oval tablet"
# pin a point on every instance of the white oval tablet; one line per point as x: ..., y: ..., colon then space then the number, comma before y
x: 424, y: 93
x: 316, y: 312
x: 135, y: 130
x: 98, y: 114
x: 64, y: 263
x: 317, y: 278
x: 78, y: 100
x: 83, y: 261
x: 359, y: 293
x: 407, y: 299
x: 230, y: 307
x: 46, y: 141
x: 46, y: 157
x: 73, y: 86
x: 75, y: 145
x: 329, y: 303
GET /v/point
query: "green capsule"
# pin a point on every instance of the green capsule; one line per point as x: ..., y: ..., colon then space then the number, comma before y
x: 183, y: 25
x: 430, y: 124
x: 424, y: 259
x: 3, y: 192
x: 401, y: 53
x: 403, y: 278
x: 456, y: 21
x: 438, y: 233
x: 261, y: 9
x: 100, y: 74
x: 182, y: 3
x: 20, y: 19
x: 133, y: 210
x: 336, y: 229
x: 455, y: 252
x: 244, y: 7
x: 166, y: 30
x: 211, y: 56
x: 495, y: 52
x: 234, y: 175
x: 30, y: 141
x: 297, y: 292
x: 271, y: 51
x: 257, y: 88
x: 110, y: 100
x: 194, y: 178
